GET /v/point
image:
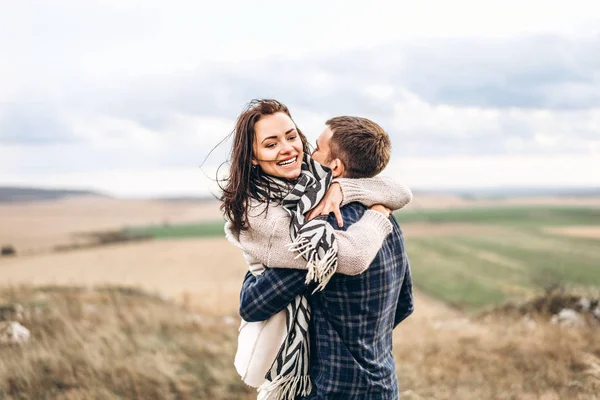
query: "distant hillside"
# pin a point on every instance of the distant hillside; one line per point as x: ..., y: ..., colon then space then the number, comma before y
x: 9, y: 194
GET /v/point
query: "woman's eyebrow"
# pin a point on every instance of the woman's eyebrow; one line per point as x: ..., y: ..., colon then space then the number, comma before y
x: 275, y: 136
x: 267, y: 138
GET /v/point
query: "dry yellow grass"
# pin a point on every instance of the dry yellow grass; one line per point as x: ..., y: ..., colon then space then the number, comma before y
x: 440, y: 353
x: 453, y: 357
x: 120, y: 343
x: 117, y: 343
x: 428, y: 229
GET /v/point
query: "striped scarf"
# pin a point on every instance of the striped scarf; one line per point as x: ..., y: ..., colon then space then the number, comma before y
x: 288, y: 376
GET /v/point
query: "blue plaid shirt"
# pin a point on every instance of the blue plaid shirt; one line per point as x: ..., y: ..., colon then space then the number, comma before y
x: 352, y: 318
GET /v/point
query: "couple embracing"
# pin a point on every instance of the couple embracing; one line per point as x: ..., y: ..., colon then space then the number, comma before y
x: 328, y: 276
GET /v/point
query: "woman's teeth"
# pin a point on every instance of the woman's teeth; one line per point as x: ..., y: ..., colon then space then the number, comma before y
x: 288, y: 162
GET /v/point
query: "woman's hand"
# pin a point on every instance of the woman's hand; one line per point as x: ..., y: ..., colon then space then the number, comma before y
x: 329, y: 203
x: 381, y: 209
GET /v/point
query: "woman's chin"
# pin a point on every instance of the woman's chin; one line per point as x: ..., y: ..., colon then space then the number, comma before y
x: 297, y: 173
x: 291, y: 175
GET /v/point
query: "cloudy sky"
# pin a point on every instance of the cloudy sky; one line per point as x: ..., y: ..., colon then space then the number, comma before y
x: 129, y: 97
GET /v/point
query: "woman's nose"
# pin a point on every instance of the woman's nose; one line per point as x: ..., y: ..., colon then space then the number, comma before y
x: 287, y: 147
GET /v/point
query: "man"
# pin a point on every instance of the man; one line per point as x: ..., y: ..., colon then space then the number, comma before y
x: 353, y: 317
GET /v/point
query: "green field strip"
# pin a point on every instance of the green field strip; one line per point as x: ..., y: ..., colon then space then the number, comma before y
x: 577, y: 241
x: 552, y: 262
x: 538, y: 241
x: 432, y: 265
x: 205, y: 229
x: 504, y: 283
x: 451, y: 283
x: 462, y: 253
x: 513, y: 216
x: 584, y: 248
x: 580, y: 252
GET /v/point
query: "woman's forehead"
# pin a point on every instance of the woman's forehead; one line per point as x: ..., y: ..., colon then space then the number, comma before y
x: 274, y: 125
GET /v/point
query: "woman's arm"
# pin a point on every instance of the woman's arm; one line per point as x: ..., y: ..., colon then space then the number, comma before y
x: 376, y: 190
x: 269, y: 235
x: 254, y: 265
x: 368, y: 191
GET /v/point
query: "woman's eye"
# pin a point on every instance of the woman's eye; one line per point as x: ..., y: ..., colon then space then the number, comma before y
x: 271, y: 145
x: 292, y: 138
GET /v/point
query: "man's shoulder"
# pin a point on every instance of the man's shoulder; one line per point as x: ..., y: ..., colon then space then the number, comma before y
x: 396, y: 229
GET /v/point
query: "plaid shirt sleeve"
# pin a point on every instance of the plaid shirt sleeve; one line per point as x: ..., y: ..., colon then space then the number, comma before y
x: 264, y: 295
x: 405, y: 305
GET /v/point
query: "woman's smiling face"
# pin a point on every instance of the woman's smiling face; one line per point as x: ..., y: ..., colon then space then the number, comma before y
x: 277, y: 148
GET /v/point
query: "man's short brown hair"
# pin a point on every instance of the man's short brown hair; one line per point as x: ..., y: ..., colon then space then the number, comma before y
x: 362, y: 145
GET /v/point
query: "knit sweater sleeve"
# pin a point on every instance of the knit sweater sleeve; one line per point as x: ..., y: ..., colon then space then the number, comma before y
x: 254, y: 265
x: 376, y: 190
x: 269, y: 234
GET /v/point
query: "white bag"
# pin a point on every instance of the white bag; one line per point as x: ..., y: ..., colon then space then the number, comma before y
x: 258, y: 345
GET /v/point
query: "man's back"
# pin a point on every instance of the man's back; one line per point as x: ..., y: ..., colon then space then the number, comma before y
x: 352, y: 323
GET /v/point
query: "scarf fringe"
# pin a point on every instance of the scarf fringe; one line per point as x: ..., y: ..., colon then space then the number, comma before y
x: 319, y: 270
x: 285, y: 388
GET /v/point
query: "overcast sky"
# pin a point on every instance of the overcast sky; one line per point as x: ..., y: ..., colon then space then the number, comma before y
x: 129, y: 97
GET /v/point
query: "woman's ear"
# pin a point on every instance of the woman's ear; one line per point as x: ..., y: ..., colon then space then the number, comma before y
x: 337, y: 168
x: 254, y: 162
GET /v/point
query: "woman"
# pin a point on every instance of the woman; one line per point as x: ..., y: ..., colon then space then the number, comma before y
x: 272, y: 185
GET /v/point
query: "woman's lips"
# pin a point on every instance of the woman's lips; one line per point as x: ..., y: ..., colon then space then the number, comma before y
x: 288, y: 163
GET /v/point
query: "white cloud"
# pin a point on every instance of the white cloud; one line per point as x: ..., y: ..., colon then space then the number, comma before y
x: 497, y: 171
x: 168, y: 182
x: 379, y: 92
x: 104, y: 38
x: 108, y: 133
x: 139, y: 87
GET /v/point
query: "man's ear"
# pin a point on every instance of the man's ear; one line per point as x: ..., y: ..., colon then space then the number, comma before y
x: 337, y: 168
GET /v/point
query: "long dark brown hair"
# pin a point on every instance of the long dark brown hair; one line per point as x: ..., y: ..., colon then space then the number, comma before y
x: 243, y: 180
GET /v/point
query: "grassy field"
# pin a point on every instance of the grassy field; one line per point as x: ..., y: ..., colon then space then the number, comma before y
x: 514, y: 256
x: 112, y: 339
x: 517, y: 256
x: 123, y: 343
x: 522, y: 217
x: 117, y: 343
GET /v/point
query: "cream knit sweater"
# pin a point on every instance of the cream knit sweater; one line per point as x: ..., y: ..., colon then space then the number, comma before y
x: 264, y: 243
